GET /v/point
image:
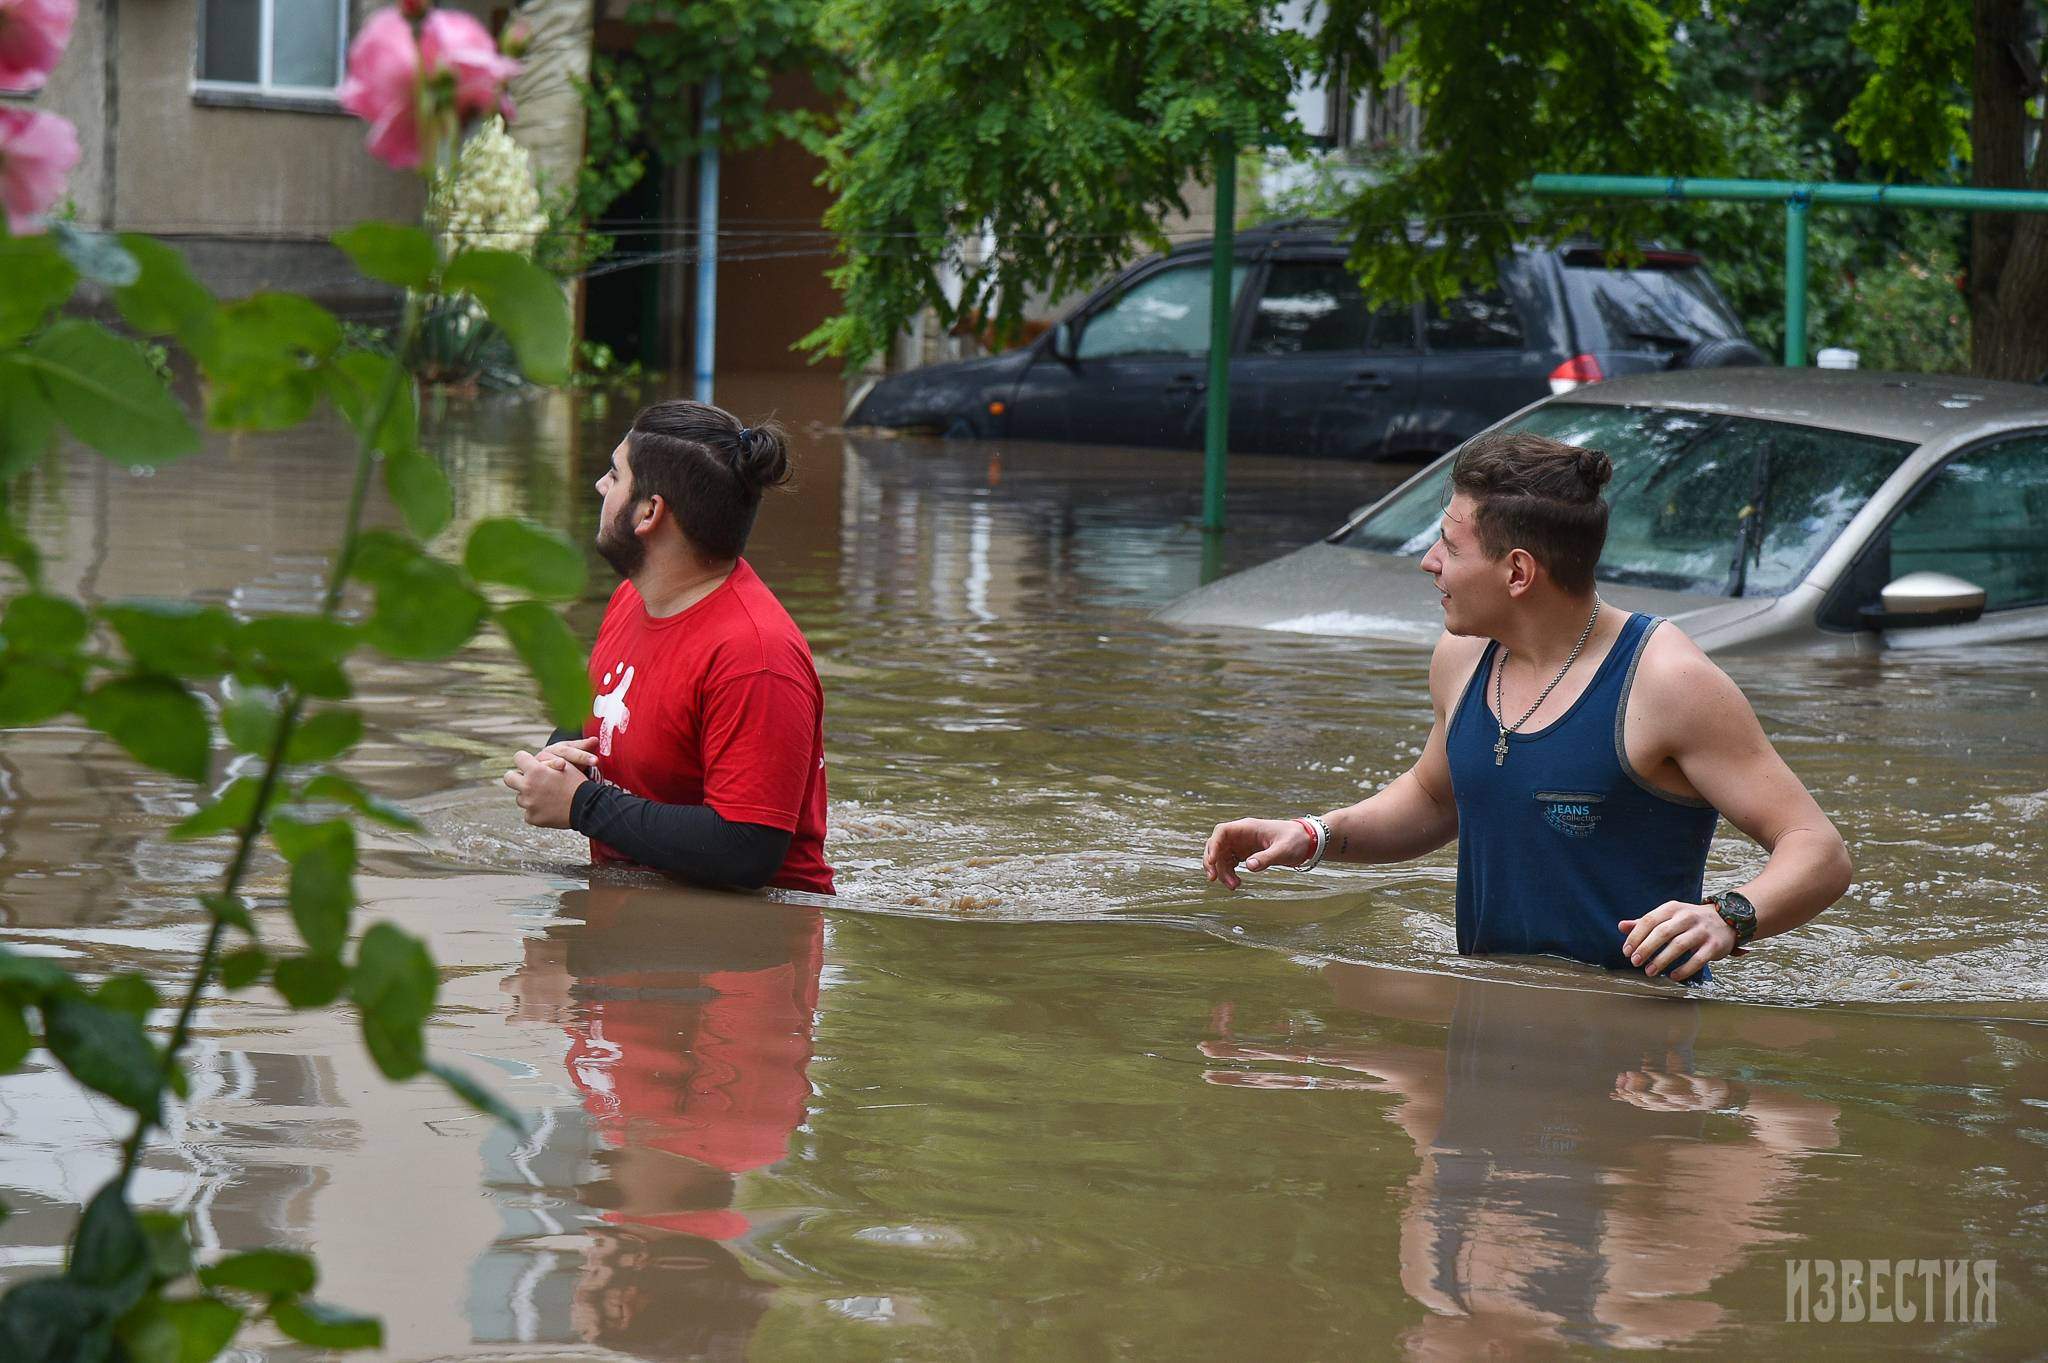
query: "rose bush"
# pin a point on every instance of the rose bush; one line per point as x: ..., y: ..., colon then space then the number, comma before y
x: 179, y: 685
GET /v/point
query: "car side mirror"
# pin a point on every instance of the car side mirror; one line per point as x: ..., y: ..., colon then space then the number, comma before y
x: 1064, y: 344
x: 1921, y: 599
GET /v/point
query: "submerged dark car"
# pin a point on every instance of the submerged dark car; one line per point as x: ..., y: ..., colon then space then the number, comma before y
x: 1315, y: 369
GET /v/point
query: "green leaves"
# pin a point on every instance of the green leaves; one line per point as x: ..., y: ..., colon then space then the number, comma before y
x: 327, y: 1327
x: 393, y: 252
x: 424, y: 608
x: 323, y: 860
x: 325, y: 735
x: 1914, y: 114
x: 527, y: 304
x: 394, y: 983
x: 298, y: 650
x: 159, y: 722
x: 35, y: 625
x: 27, y: 422
x: 263, y: 1272
x: 342, y: 791
x: 164, y: 300
x: 34, y: 282
x: 177, y: 638
x: 280, y: 1279
x: 104, y: 1049
x: 250, y: 719
x: 40, y: 670
x: 263, y: 361
x: 181, y: 1330
x: 310, y: 981
x: 230, y: 812
x: 24, y: 980
x: 553, y: 656
x: 243, y: 967
x: 525, y: 556
x: 359, y: 382
x: 102, y: 388
x: 421, y: 492
x: 15, y: 1038
x: 110, y: 1249
x: 29, y: 977
x: 478, y: 1096
x: 32, y: 691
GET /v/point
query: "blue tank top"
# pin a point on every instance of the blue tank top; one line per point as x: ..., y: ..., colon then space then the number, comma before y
x: 1565, y: 839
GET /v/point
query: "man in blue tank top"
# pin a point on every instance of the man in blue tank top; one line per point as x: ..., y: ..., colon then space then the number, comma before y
x: 1581, y: 755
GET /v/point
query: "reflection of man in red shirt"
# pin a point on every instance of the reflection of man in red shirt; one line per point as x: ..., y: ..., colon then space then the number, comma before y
x: 692, y: 1038
x: 689, y: 1031
x: 706, y: 738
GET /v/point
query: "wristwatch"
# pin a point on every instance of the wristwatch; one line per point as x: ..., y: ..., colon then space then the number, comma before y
x: 1738, y: 913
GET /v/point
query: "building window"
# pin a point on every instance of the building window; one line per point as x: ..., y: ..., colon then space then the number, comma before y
x: 283, y: 47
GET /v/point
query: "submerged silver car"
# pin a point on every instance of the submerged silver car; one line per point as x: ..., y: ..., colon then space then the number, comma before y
x: 1758, y: 508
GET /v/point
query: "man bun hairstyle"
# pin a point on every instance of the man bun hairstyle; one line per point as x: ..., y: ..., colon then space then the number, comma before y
x: 1541, y: 495
x: 709, y: 467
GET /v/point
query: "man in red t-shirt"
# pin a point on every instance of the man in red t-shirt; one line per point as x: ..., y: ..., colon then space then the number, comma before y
x: 704, y: 755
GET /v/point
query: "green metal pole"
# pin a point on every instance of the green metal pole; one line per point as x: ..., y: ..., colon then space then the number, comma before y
x: 1796, y: 213
x: 1216, y: 443
x: 1769, y: 191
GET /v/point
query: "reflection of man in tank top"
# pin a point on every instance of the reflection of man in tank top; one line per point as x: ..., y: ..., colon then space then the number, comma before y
x: 1562, y: 1140
x: 1581, y: 755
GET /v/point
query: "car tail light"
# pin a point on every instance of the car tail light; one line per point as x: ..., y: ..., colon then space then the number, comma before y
x: 1575, y: 371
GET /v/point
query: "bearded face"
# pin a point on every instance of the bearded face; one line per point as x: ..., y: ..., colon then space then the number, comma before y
x: 621, y: 548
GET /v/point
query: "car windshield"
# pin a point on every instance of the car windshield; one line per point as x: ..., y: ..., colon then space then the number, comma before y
x: 1700, y: 502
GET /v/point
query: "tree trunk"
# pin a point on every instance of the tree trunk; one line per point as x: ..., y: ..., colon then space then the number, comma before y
x: 551, y: 121
x: 2008, y: 251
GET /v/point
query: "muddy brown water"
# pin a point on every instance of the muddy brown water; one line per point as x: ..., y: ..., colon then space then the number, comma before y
x: 1027, y: 1088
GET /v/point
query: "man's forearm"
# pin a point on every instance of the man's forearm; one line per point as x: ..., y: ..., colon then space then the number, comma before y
x: 695, y: 842
x: 1399, y: 823
x: 1808, y: 870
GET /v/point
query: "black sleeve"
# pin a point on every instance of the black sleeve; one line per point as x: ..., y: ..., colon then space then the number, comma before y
x: 563, y: 736
x: 695, y: 842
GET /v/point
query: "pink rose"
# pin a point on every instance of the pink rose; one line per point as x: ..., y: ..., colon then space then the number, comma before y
x: 37, y: 152
x: 383, y: 86
x: 395, y: 81
x: 455, y: 42
x: 32, y: 38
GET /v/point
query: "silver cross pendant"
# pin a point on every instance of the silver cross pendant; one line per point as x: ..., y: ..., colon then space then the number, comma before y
x: 1500, y: 749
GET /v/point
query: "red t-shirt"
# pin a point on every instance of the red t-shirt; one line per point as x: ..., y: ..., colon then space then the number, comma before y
x: 716, y: 705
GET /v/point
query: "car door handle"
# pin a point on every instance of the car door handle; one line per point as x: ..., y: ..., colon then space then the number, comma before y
x: 1185, y: 383
x: 1366, y: 380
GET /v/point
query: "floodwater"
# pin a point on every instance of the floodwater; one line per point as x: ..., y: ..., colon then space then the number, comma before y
x: 1028, y: 1088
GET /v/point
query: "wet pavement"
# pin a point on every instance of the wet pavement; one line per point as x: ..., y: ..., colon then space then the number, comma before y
x: 1027, y: 1088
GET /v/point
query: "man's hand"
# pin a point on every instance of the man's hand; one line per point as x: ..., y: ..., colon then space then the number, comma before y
x: 580, y: 751
x: 1659, y: 1090
x: 1662, y: 937
x: 1258, y: 843
x: 546, y: 786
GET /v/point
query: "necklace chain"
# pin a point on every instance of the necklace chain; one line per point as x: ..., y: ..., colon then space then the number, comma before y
x: 1500, y: 746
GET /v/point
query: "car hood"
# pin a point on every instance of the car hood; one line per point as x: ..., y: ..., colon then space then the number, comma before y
x: 1327, y: 589
x: 938, y: 393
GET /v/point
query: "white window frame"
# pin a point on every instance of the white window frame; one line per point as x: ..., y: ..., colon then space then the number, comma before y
x: 266, y: 20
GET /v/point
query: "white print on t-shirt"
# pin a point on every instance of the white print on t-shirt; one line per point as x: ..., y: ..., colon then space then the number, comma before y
x: 610, y: 708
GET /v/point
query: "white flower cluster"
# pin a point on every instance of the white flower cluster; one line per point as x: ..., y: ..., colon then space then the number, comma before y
x: 489, y: 198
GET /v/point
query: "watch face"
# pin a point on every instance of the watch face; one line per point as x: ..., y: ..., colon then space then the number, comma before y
x: 1738, y: 913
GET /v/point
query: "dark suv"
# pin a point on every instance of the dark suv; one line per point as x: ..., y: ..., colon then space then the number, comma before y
x: 1314, y: 368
